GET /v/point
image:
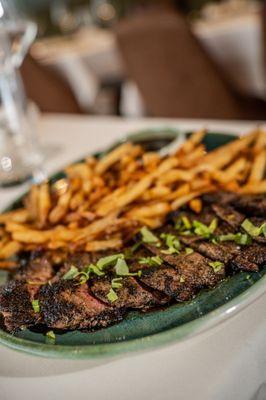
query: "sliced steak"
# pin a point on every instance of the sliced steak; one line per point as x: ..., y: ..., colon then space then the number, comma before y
x: 221, y: 198
x: 16, y: 307
x: 197, y: 270
x: 67, y: 306
x: 38, y: 269
x: 130, y: 295
x: 251, y: 205
x: 229, y: 215
x: 168, y: 281
x: 250, y: 258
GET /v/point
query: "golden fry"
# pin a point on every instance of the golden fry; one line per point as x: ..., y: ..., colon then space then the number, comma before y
x: 44, y: 203
x: 258, y: 168
x: 10, y: 249
x: 21, y: 215
x: 98, y: 245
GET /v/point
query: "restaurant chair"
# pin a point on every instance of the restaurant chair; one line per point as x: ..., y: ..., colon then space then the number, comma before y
x: 174, y: 74
x: 47, y: 88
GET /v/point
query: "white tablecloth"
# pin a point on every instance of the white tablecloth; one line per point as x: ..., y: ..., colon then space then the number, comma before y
x: 228, y: 362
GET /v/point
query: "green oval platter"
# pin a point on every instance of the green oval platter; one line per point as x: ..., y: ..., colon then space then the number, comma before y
x: 142, y: 331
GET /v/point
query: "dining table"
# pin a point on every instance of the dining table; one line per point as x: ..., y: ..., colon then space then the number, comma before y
x: 225, y: 362
x: 90, y: 57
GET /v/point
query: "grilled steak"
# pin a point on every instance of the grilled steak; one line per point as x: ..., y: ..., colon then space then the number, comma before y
x: 168, y: 281
x: 66, y: 305
x: 251, y: 205
x: 16, y: 307
x: 130, y: 295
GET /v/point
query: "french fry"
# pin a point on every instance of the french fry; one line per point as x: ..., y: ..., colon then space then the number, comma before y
x: 8, y: 265
x: 21, y: 215
x: 175, y: 175
x: 258, y: 168
x: 223, y: 155
x: 61, y: 208
x: 196, y: 205
x: 187, y: 198
x: 192, y: 142
x: 97, y: 245
x: 44, y: 203
x: 258, y: 188
x: 157, y: 192
x: 149, y: 211
x: 111, y: 158
x: 230, y: 173
x: 10, y: 249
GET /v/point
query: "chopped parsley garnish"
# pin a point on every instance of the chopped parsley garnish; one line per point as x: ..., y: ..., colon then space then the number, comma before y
x: 239, y: 238
x: 188, y: 250
x: 203, y: 230
x: 116, y: 283
x: 172, y: 242
x: 149, y: 237
x: 121, y: 267
x: 135, y: 247
x: 109, y: 260
x: 50, y: 335
x: 183, y: 225
x: 154, y: 261
x: 72, y: 273
x: 94, y: 269
x: 216, y: 265
x: 112, y: 296
x: 35, y: 305
x: 186, y: 222
x: 253, y: 230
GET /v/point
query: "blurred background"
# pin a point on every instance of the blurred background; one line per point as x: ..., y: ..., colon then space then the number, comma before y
x: 183, y: 58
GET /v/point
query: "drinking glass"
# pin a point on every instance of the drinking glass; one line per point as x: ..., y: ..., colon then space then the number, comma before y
x: 20, y: 156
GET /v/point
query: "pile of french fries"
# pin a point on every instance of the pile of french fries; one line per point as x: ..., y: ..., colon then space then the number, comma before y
x: 103, y: 202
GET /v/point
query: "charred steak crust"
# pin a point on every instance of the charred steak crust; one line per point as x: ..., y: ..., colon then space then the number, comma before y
x: 68, y: 305
x: 16, y: 307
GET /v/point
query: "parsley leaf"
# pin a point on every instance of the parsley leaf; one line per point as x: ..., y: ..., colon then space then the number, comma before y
x: 109, y: 260
x: 239, y: 238
x: 188, y: 250
x: 172, y: 242
x: 216, y: 265
x: 35, y: 305
x: 116, y: 283
x: 149, y: 237
x: 154, y: 261
x: 72, y: 273
x: 253, y: 230
x: 50, y: 335
x: 203, y: 230
x: 112, y: 296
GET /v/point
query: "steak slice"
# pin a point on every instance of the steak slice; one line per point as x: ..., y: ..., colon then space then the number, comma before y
x: 38, y: 270
x: 16, y: 296
x: 251, y: 205
x: 67, y: 306
x: 229, y: 215
x: 16, y: 307
x: 250, y: 258
x: 130, y: 295
x: 197, y: 270
x: 194, y: 268
x: 247, y: 258
x: 220, y: 197
x: 168, y: 281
